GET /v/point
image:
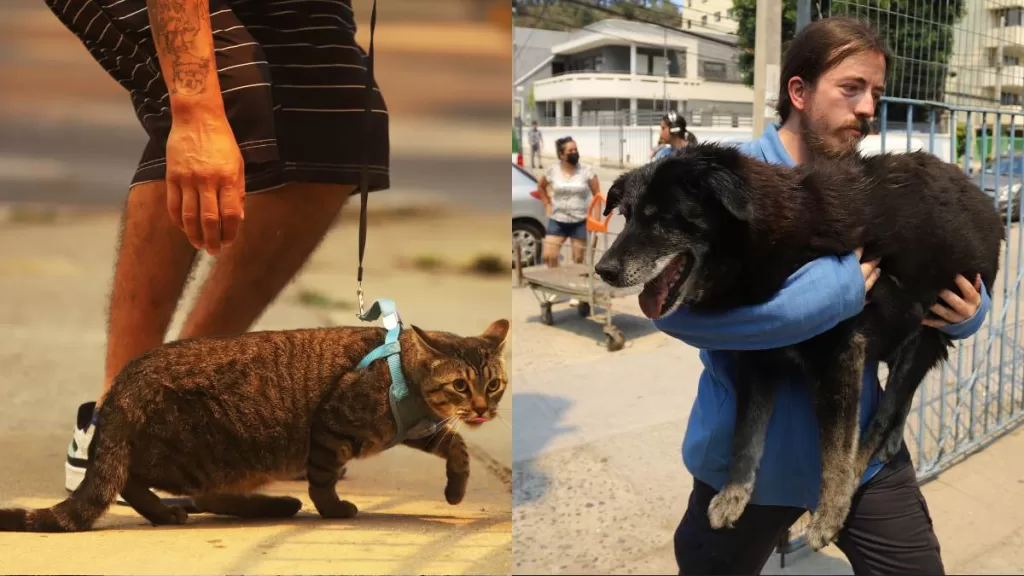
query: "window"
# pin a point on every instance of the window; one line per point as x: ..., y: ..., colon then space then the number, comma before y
x: 713, y: 70
x: 1009, y: 99
x: 1014, y: 17
x: 689, y: 23
x: 704, y: 20
x: 718, y: 16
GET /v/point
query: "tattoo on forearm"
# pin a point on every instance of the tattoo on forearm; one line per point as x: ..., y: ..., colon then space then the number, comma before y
x: 176, y: 25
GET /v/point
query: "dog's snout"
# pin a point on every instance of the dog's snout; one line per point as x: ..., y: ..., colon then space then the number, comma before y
x: 609, y: 270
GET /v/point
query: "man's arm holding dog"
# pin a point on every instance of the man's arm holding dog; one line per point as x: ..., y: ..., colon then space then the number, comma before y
x: 814, y: 299
x: 965, y: 313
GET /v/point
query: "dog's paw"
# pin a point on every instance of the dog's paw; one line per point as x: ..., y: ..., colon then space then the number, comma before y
x: 892, y: 444
x: 824, y: 527
x: 727, y: 506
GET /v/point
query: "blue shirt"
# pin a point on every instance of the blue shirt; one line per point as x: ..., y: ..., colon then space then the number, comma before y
x: 662, y: 152
x: 814, y: 299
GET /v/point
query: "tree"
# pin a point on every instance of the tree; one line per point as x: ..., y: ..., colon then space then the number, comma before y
x: 920, y: 65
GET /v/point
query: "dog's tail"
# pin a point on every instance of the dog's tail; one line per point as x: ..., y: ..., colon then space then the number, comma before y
x: 104, y: 479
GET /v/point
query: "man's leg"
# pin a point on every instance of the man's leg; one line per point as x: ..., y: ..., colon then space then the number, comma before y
x: 743, y: 549
x: 153, y: 262
x: 889, y: 530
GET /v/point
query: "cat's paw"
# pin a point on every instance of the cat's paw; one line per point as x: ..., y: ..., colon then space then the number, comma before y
x: 455, y: 490
x: 172, y: 516
x: 339, y: 510
x: 727, y: 506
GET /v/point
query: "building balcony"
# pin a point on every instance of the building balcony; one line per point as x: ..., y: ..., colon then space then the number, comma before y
x: 1012, y: 37
x: 1012, y: 78
x: 589, y: 85
x: 1003, y: 4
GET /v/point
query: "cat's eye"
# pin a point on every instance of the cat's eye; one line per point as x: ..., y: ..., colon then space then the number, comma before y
x: 493, y: 385
x: 460, y: 385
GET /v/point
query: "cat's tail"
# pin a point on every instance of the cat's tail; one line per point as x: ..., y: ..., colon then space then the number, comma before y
x: 104, y: 478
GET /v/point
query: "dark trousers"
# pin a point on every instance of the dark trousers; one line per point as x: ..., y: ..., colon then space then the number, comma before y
x: 889, y: 530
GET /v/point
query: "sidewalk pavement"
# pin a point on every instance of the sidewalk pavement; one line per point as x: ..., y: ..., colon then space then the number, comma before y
x: 54, y: 279
x: 599, y: 483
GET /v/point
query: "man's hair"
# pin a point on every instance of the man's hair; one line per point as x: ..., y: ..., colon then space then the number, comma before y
x: 822, y: 45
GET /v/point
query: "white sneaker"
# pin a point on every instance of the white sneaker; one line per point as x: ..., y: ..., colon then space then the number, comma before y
x: 78, y: 449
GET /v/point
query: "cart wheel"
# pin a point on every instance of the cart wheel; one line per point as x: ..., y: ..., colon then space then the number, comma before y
x: 545, y: 314
x: 615, y: 340
x: 583, y: 309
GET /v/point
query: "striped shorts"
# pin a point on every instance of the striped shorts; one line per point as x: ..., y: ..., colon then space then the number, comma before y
x: 292, y: 78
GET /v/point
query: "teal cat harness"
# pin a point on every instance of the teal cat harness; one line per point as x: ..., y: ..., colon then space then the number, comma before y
x: 412, y: 417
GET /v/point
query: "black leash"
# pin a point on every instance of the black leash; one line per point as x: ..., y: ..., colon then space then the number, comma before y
x: 364, y: 183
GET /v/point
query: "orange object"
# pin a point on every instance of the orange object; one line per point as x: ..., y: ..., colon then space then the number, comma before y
x: 596, y: 220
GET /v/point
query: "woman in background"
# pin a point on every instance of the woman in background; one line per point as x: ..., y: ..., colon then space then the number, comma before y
x: 571, y: 186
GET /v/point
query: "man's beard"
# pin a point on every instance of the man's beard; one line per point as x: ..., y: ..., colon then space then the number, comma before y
x: 840, y: 144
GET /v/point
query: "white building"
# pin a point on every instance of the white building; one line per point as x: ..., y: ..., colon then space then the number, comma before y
x: 709, y: 16
x: 986, y: 68
x: 618, y: 71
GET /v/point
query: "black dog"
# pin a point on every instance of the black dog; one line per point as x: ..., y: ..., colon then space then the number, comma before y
x: 714, y: 229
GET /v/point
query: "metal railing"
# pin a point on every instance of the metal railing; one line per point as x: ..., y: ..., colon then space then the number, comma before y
x: 977, y: 394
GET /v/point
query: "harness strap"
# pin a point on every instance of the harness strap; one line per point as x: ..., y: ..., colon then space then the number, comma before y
x: 364, y: 183
x: 391, y: 349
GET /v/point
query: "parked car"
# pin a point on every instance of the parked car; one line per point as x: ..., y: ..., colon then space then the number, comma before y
x: 1009, y: 179
x: 529, y: 219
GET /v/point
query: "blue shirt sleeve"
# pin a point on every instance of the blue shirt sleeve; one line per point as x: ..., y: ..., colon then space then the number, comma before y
x: 969, y: 327
x: 814, y: 299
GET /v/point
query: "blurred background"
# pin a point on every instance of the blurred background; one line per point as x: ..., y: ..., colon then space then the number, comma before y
x: 438, y: 245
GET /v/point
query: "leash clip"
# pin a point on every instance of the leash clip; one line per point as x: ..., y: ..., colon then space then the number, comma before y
x: 359, y: 295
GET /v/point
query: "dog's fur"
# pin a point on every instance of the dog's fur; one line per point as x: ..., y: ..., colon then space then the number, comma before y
x: 734, y: 229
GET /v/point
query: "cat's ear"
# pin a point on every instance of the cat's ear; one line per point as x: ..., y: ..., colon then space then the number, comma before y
x: 497, y: 333
x: 422, y: 341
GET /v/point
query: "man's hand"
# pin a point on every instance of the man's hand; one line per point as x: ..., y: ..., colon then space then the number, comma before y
x: 205, y: 181
x: 961, y: 308
x: 870, y: 270
x: 205, y: 173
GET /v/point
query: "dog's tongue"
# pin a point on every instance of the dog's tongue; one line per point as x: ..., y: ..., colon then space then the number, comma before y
x: 653, y: 297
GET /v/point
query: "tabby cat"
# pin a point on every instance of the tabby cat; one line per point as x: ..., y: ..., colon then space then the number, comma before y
x: 217, y: 418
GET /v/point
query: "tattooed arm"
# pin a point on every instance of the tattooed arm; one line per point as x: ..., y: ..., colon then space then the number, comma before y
x: 205, y: 173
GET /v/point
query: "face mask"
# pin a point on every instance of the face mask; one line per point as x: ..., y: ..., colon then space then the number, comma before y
x: 572, y: 159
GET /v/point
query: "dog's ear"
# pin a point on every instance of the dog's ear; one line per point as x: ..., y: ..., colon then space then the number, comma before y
x: 731, y: 191
x: 614, y: 197
x: 615, y: 192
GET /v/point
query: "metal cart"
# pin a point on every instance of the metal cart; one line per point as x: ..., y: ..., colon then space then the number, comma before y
x: 579, y: 281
